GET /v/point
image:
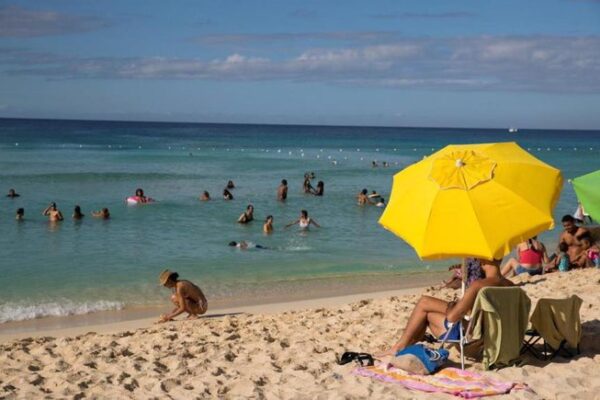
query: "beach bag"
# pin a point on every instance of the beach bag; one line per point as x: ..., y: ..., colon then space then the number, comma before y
x: 431, y: 359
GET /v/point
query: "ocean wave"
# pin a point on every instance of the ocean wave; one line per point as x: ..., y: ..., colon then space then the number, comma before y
x: 22, y: 311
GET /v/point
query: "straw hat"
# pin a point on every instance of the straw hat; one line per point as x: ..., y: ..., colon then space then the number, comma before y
x: 164, y: 276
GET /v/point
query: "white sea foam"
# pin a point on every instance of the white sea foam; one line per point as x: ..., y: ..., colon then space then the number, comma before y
x: 21, y: 311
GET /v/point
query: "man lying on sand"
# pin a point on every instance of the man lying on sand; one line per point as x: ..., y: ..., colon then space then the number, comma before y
x: 440, y: 316
x: 187, y: 297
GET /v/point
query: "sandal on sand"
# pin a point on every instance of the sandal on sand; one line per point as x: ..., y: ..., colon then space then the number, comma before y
x: 360, y: 358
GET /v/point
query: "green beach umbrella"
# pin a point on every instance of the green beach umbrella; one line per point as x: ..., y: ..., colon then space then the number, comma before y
x: 587, y: 188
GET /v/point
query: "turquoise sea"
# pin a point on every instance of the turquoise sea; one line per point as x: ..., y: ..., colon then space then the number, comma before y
x: 83, y: 266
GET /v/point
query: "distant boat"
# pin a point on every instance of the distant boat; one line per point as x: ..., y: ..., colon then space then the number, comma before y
x: 512, y: 130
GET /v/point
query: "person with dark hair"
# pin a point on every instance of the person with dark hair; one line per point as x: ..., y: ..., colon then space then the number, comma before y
x: 304, y: 221
x: 20, y: 214
x: 52, y: 212
x: 77, y: 214
x: 570, y: 236
x: 268, y: 225
x: 362, y: 198
x: 205, y: 196
x: 227, y: 195
x: 306, y: 186
x: 244, y: 245
x: 320, y: 190
x: 139, y: 195
x: 247, y: 216
x: 230, y: 185
x: 282, y: 190
x: 12, y: 194
x: 531, y: 255
x: 560, y: 261
x: 589, y: 255
x: 186, y: 296
x: 104, y: 213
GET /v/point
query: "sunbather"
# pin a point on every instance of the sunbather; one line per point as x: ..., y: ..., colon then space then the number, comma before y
x: 440, y: 316
x: 531, y: 254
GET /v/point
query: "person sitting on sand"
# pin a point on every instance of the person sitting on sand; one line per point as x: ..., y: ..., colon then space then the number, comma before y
x: 531, y: 257
x: 12, y: 194
x: 77, y: 214
x: 588, y: 257
x: 244, y: 245
x: 187, y: 297
x: 362, y: 198
x: 306, y: 186
x: 570, y: 234
x: 440, y: 316
x: 104, y: 213
x: 230, y: 185
x: 304, y: 221
x: 282, y: 190
x: 268, y: 225
x: 227, y: 195
x: 247, y: 215
x: 52, y: 213
x: 20, y: 214
x: 205, y: 196
x: 320, y: 190
x: 141, y: 198
x: 560, y: 262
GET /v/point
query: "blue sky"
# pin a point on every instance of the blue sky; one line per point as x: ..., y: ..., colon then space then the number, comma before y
x: 397, y: 63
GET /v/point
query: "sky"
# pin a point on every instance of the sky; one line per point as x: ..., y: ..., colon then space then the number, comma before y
x: 452, y: 63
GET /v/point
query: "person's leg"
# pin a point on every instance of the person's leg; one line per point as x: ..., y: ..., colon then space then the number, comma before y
x: 428, y: 310
x: 194, y: 309
x: 510, y: 267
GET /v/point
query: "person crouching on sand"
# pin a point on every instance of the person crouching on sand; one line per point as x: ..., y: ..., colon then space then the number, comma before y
x: 187, y: 297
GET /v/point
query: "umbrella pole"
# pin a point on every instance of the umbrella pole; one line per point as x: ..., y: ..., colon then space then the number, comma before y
x: 463, y: 274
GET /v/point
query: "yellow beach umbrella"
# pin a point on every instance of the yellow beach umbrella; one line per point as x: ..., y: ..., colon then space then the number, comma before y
x: 476, y: 200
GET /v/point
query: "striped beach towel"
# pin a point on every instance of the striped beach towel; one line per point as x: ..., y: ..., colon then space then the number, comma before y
x: 465, y: 384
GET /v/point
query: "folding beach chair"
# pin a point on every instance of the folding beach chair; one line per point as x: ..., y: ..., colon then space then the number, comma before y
x: 557, y: 324
x: 499, y: 318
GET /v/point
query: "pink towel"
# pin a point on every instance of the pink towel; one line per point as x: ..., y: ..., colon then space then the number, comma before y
x: 465, y: 384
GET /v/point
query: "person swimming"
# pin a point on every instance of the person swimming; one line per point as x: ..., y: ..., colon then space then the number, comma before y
x: 12, y: 194
x: 52, y: 212
x: 20, y: 216
x: 77, y: 214
x: 380, y: 202
x: 374, y: 195
x: 306, y: 186
x: 247, y: 215
x: 268, y: 225
x: 282, y: 190
x: 230, y: 185
x: 362, y: 198
x: 205, y: 196
x: 139, y: 194
x: 104, y: 214
x: 186, y: 296
x: 244, y: 245
x: 304, y: 221
x: 227, y: 195
x: 320, y: 190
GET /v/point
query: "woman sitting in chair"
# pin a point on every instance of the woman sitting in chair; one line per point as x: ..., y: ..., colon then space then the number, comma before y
x: 442, y: 316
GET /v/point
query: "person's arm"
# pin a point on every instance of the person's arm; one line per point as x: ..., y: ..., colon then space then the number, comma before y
x: 312, y: 221
x: 46, y: 211
x: 292, y: 223
x: 59, y: 216
x: 178, y: 310
x: 242, y: 218
x: 545, y: 257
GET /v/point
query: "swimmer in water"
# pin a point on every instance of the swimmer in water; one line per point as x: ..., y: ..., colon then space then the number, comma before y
x: 104, y: 214
x: 374, y: 195
x: 187, y: 297
x: 374, y: 164
x: 362, y: 198
x: 380, y: 202
x: 227, y: 195
x: 12, y: 194
x: 304, y: 221
x: 268, y: 225
x: 320, y: 190
x: 247, y: 215
x: 52, y: 212
x: 282, y: 190
x: 205, y: 196
x: 139, y: 193
x: 77, y: 214
x: 243, y: 245
x: 20, y: 214
x: 306, y: 186
x: 230, y: 185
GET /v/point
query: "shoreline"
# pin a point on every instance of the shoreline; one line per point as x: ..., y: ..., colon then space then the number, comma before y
x: 135, y: 317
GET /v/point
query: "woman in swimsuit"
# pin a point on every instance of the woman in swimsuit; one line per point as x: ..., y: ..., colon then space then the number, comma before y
x: 268, y: 226
x: 187, y: 297
x: 247, y: 215
x: 304, y: 221
x: 440, y: 316
x: 227, y: 195
x: 531, y: 257
x: 77, y: 214
x: 139, y: 193
x: 205, y: 196
x: 306, y: 186
x: 320, y: 190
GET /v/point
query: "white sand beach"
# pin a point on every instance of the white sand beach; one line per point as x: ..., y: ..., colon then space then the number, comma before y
x: 279, y: 351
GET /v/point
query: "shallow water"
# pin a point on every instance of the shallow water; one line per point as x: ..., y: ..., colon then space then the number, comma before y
x: 77, y: 267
